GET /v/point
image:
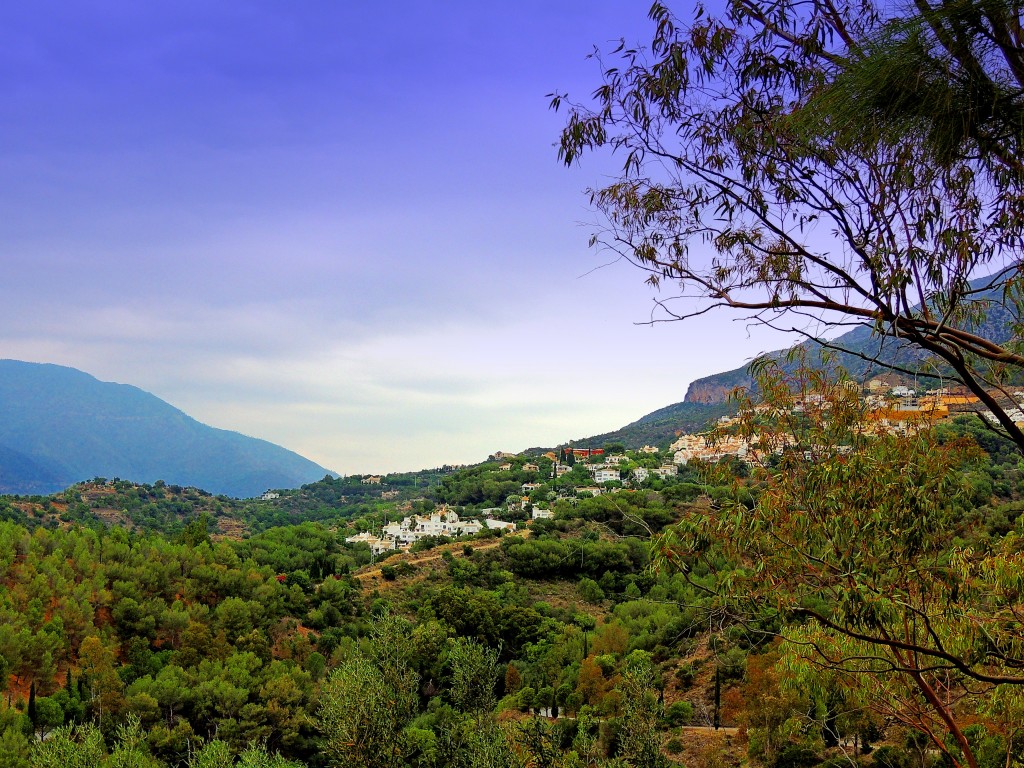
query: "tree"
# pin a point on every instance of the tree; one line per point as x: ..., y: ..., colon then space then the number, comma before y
x: 640, y: 742
x: 860, y: 543
x: 822, y: 165
x: 368, y: 701
x: 474, y: 673
x: 103, y: 685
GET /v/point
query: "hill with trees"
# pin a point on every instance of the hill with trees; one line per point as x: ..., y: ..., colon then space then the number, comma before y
x: 660, y: 427
x: 589, y: 637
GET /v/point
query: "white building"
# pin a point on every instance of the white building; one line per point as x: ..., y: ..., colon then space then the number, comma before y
x: 377, y: 544
x: 606, y: 475
x: 442, y: 522
x: 498, y: 525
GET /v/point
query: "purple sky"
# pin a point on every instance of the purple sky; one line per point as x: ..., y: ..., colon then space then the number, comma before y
x: 331, y: 226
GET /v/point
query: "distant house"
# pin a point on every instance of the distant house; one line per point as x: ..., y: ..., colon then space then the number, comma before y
x: 562, y: 469
x: 640, y: 474
x: 550, y: 455
x: 527, y: 487
x: 648, y: 449
x: 593, y: 490
x: 270, y: 496
x: 499, y: 455
x: 881, y: 383
x: 376, y: 544
x: 372, y: 480
x: 669, y: 470
x: 531, y: 468
x: 614, y: 459
x: 505, y: 467
x: 606, y: 475
x: 389, y: 494
x: 542, y: 514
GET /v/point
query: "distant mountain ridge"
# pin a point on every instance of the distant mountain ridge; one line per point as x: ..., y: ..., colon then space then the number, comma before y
x: 59, y: 426
x: 706, y: 397
x: 660, y: 427
x: 861, y: 342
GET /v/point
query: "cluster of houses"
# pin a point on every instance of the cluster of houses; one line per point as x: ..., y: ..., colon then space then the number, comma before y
x: 891, y: 408
x: 441, y: 522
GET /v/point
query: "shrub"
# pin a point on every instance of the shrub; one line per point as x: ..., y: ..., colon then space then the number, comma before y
x: 679, y: 713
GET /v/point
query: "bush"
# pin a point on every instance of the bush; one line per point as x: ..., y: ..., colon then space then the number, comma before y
x: 680, y: 713
x: 890, y: 757
x: 686, y: 675
x: 796, y: 756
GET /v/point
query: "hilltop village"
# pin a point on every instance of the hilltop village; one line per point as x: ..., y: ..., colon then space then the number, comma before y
x: 534, y: 483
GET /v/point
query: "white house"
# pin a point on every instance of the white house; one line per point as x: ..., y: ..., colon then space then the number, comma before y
x: 640, y: 474
x: 498, y: 524
x: 542, y: 514
x: 377, y: 544
x: 606, y: 475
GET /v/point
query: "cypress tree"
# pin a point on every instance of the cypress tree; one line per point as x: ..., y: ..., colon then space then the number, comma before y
x: 33, y: 715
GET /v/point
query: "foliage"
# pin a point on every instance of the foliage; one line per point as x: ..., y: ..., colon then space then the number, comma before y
x: 368, y: 701
x: 845, y: 164
x: 855, y: 541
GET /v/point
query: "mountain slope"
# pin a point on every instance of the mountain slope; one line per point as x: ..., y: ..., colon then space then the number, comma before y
x: 861, y: 343
x: 59, y: 425
x: 660, y: 427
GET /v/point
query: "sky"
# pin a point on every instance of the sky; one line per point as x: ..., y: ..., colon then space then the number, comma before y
x: 341, y: 227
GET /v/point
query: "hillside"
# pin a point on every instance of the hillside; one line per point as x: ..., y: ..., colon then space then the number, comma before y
x: 861, y: 343
x: 660, y: 427
x: 59, y: 426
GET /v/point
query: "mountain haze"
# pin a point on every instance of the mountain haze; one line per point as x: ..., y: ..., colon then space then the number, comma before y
x: 59, y: 426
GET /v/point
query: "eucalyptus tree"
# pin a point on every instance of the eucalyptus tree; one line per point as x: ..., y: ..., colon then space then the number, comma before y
x: 822, y: 164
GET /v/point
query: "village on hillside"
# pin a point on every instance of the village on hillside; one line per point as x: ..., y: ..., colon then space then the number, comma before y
x: 524, y: 488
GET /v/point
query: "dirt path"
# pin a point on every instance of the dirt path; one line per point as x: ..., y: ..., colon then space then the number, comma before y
x: 374, y: 572
x: 730, y: 731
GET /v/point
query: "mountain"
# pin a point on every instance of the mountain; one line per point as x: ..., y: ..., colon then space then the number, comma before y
x: 59, y: 426
x: 660, y: 427
x: 705, y: 398
x: 997, y: 326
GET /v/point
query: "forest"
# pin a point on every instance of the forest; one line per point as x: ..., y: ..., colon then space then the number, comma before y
x: 640, y: 627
